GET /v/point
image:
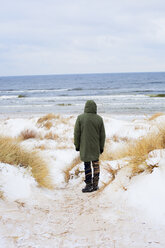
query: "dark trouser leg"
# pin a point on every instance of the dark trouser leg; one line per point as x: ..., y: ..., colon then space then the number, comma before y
x: 88, y: 172
x: 88, y: 177
x: 96, y: 169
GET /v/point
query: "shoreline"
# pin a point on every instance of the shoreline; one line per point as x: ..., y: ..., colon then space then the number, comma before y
x: 31, y: 115
x: 121, y: 116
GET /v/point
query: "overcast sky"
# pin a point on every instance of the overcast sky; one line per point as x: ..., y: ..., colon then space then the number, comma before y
x: 81, y: 36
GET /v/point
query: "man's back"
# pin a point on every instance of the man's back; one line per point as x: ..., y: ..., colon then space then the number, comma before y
x: 89, y: 133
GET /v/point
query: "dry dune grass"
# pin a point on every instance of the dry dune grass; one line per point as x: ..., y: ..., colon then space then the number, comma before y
x: 1, y: 195
x: 116, y: 138
x: 47, y: 117
x: 51, y: 116
x: 64, y: 120
x: 52, y: 136
x: 48, y: 124
x: 113, y: 173
x: 41, y: 147
x: 105, y: 185
x: 75, y: 162
x: 12, y: 153
x: 154, y: 116
x: 106, y: 155
x: 45, y: 121
x: 137, y: 151
x: 117, y: 154
x: 63, y: 147
x: 137, y: 127
x: 27, y: 134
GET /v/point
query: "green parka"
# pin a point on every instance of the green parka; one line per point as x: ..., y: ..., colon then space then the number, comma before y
x: 89, y: 133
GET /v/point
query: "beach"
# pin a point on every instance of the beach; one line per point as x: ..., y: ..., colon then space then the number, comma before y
x: 82, y: 124
x: 41, y: 174
x: 41, y: 203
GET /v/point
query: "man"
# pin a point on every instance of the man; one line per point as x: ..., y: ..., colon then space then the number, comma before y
x: 89, y: 139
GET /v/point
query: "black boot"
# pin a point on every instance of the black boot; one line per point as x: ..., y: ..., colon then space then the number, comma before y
x: 88, y: 188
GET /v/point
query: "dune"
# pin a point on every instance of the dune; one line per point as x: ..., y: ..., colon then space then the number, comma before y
x: 127, y: 211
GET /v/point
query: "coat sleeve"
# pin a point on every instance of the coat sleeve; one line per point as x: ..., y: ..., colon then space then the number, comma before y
x: 77, y: 134
x: 102, y: 136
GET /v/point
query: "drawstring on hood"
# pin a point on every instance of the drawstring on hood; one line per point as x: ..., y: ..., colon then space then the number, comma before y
x: 90, y: 107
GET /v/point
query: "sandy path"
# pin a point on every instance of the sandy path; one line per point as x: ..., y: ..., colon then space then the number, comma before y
x: 68, y: 218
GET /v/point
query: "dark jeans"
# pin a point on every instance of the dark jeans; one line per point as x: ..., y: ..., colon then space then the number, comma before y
x: 88, y: 171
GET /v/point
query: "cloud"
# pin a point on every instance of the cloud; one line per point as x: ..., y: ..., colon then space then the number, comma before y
x: 78, y: 36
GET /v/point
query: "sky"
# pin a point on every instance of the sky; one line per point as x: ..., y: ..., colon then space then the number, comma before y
x: 81, y: 36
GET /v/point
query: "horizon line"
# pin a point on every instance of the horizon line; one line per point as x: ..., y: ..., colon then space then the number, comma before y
x: 88, y: 73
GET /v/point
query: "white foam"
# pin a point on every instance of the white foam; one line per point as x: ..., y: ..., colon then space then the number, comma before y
x: 8, y: 97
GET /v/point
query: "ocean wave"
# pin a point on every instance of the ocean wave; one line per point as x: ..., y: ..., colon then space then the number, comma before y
x: 26, y: 106
x: 75, y: 89
x: 157, y: 82
x: 96, y: 89
x: 100, y: 97
x: 6, y: 90
x: 32, y: 90
x: 65, y: 97
x: 8, y: 97
x: 145, y: 91
x: 46, y: 90
x: 110, y: 90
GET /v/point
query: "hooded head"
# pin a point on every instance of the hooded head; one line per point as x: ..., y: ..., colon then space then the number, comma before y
x: 90, y: 107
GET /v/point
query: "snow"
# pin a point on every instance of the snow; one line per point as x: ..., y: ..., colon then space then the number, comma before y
x: 147, y: 193
x: 123, y: 213
x: 15, y: 183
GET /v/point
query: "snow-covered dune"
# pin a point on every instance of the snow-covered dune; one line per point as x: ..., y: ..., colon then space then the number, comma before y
x: 127, y: 211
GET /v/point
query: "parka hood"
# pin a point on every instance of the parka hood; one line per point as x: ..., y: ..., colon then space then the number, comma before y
x: 90, y: 107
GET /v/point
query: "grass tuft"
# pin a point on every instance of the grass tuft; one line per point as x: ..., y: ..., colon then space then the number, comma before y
x: 27, y: 134
x: 116, y: 138
x: 41, y: 147
x: 48, y: 124
x: 52, y: 136
x: 75, y: 162
x: 21, y: 96
x: 154, y: 116
x: 1, y: 195
x: 136, y: 151
x: 139, y: 150
x: 157, y: 95
x: 12, y: 153
x: 47, y: 117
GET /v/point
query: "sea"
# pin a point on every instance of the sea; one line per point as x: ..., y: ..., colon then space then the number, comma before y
x: 114, y: 93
